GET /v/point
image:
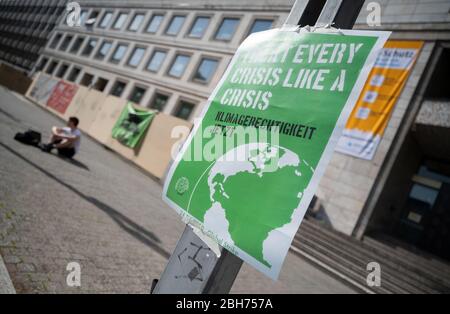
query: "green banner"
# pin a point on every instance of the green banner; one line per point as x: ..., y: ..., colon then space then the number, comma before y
x: 132, y: 125
x: 249, y: 169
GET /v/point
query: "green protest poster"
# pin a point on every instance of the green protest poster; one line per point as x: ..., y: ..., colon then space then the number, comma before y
x: 251, y: 165
x: 131, y: 125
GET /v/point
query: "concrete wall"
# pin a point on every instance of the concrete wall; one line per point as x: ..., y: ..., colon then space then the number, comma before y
x: 434, y: 113
x: 98, y: 113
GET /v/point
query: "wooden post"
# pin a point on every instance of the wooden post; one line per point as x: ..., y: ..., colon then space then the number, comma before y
x: 193, y: 268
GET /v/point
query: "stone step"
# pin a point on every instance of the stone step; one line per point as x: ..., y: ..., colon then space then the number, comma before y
x: 433, y: 263
x: 344, y: 271
x: 413, y: 275
x: 361, y: 258
x: 358, y: 269
x: 414, y: 263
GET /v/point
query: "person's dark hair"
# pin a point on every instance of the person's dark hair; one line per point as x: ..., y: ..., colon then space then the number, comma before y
x: 74, y: 120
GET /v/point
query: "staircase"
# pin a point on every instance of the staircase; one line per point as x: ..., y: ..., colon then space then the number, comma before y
x: 346, y: 258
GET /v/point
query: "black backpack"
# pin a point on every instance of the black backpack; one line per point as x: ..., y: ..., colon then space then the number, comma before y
x: 30, y: 137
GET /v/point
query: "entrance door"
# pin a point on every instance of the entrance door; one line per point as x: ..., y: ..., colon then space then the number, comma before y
x: 436, y: 235
x: 425, y: 220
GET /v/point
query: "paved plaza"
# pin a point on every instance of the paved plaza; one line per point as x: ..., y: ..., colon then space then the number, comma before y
x: 100, y: 211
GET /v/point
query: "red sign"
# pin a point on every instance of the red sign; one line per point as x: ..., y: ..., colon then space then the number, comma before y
x: 62, y: 96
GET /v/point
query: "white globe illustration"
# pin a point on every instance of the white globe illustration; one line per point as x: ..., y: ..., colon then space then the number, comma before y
x: 267, y: 166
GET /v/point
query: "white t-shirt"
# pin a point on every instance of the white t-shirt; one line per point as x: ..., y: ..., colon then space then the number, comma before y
x: 77, y: 133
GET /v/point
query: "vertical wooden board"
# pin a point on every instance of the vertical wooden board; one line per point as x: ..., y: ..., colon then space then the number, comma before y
x: 88, y: 104
x: 101, y: 127
x: 14, y: 79
x: 155, y: 152
x: 123, y: 150
x: 73, y: 107
x: 33, y: 83
x: 42, y: 89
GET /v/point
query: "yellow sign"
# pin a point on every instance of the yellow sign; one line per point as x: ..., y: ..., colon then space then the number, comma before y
x: 370, y: 116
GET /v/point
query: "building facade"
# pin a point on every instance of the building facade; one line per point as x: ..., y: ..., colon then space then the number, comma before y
x: 162, y: 55
x: 169, y: 55
x: 25, y: 27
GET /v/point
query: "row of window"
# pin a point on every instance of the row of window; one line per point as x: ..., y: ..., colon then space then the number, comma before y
x: 19, y: 57
x: 159, y: 100
x: 224, y: 32
x: 20, y: 49
x: 22, y: 8
x: 24, y: 27
x: 203, y: 74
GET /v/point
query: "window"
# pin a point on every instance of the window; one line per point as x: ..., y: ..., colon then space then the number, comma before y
x: 87, y: 79
x: 73, y: 75
x: 66, y: 42
x: 136, y: 22
x: 156, y: 61
x: 117, y: 88
x: 103, y: 51
x: 136, y: 56
x: 51, y: 68
x: 136, y: 94
x: 154, y: 23
x: 100, y: 84
x: 199, y: 27
x: 105, y: 20
x: 56, y: 41
x: 179, y: 65
x: 159, y: 101
x: 42, y: 64
x: 184, y: 110
x: 205, y: 70
x: 87, y: 51
x: 175, y: 25
x: 119, y: 53
x: 62, y: 70
x: 260, y: 25
x: 77, y: 45
x: 93, y: 15
x: 120, y: 20
x: 227, y: 29
x: 83, y: 16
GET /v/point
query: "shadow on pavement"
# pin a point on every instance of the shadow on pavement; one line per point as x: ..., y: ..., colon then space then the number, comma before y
x: 71, y: 161
x: 143, y: 235
x: 74, y: 162
x: 6, y: 114
x: 137, y: 231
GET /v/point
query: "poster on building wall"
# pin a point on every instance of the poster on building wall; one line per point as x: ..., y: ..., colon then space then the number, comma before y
x: 250, y: 167
x: 375, y: 105
x: 132, y: 125
x: 62, y: 96
x: 43, y: 88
